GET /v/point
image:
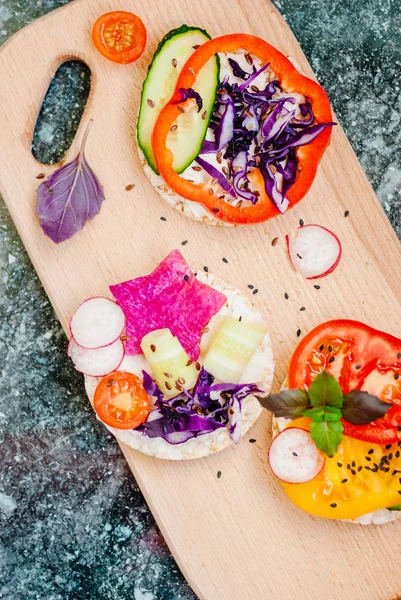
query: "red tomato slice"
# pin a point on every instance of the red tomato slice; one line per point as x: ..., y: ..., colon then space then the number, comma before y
x: 360, y: 358
x: 119, y: 36
x: 121, y: 401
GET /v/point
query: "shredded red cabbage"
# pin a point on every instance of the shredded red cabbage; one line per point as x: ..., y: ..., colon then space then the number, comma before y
x: 190, y: 93
x: 194, y: 413
x: 256, y: 129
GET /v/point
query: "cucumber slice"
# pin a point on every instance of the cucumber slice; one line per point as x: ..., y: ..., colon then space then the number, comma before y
x: 186, y: 141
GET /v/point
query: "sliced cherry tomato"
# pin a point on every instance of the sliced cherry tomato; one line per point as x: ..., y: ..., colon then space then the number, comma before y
x: 360, y: 358
x: 121, y: 401
x: 308, y: 156
x: 119, y: 36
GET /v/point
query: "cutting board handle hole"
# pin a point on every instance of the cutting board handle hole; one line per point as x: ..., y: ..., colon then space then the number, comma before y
x: 61, y: 112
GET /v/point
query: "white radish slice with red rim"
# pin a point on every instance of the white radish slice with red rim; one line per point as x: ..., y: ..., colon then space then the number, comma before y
x: 314, y: 251
x: 97, y: 322
x: 294, y: 457
x: 97, y: 362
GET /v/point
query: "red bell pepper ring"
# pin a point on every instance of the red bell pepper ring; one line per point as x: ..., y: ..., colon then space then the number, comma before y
x: 308, y: 156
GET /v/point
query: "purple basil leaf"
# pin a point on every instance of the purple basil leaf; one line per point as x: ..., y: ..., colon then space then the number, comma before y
x: 69, y: 198
x: 361, y: 408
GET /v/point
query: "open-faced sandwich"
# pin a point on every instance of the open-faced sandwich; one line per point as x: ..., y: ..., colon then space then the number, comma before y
x: 229, y: 132
x: 337, y: 424
x: 171, y: 367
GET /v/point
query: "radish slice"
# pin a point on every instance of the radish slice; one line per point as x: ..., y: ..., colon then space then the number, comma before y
x: 97, y: 322
x: 314, y: 251
x: 97, y: 362
x: 294, y: 457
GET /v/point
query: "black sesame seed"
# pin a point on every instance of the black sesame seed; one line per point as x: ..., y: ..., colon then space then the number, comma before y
x: 348, y: 467
x: 376, y: 466
x: 385, y: 469
x: 186, y: 277
x: 302, y: 308
x: 368, y: 469
x: 358, y: 367
x: 218, y: 474
x: 399, y: 479
x: 331, y: 359
x: 225, y: 260
x: 163, y: 219
x: 301, y: 222
x: 359, y: 469
x: 299, y: 256
x: 295, y: 454
x: 240, y: 319
x: 252, y: 441
x: 395, y: 472
x: 399, y: 491
x: 368, y: 458
x: 396, y: 375
x: 399, y: 355
x: 330, y: 348
x: 321, y: 348
x: 390, y: 456
x: 251, y: 286
x: 346, y: 213
x: 370, y: 451
x: 397, y: 454
x: 388, y: 446
x: 339, y: 465
x: 353, y: 463
x: 334, y: 505
x: 184, y: 243
x: 353, y: 471
x: 317, y: 287
x: 216, y: 210
x: 286, y: 296
x: 344, y: 480
x: 298, y: 332
x: 206, y: 269
x: 255, y: 291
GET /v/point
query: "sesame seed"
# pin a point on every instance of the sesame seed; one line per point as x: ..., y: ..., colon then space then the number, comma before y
x: 388, y: 446
x: 353, y: 463
x: 301, y: 222
x: 252, y: 441
x: 317, y: 287
x: 40, y: 176
x: 321, y: 348
x: 224, y: 260
x: 216, y: 210
x: 299, y: 256
x: 218, y: 474
x: 196, y: 46
x: 370, y: 451
x: 295, y: 454
x: 390, y: 456
x: 274, y: 241
x: 286, y: 296
x: 206, y: 269
x: 163, y: 219
x: 150, y: 103
x: 399, y: 491
x: 334, y: 505
x: 197, y: 366
x: 166, y: 374
x: 397, y: 454
x: 346, y: 213
x: 186, y: 277
x: 184, y: 243
x: 396, y: 375
x: 130, y: 187
x: 250, y: 286
x: 344, y: 480
x: 357, y: 366
x: 330, y: 348
x: 339, y: 465
x: 399, y: 355
x: 348, y: 467
x: 240, y: 319
x: 255, y: 291
x: 331, y: 359
x: 353, y: 471
x: 395, y: 472
x: 302, y: 308
x: 298, y: 332
x: 189, y: 363
x: 181, y: 380
x: 368, y: 458
x: 153, y: 347
x: 204, y: 115
x: 359, y: 469
x: 168, y: 385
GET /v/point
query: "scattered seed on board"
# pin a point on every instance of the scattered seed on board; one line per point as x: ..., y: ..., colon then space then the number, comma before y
x: 286, y: 296
x: 252, y: 441
x: 298, y: 332
x: 301, y: 222
x: 255, y: 291
x: 317, y: 287
x: 163, y: 219
x: 251, y: 286
x: 218, y: 474
x: 130, y: 187
x: 184, y: 243
x: 150, y: 102
x: 302, y: 308
x: 346, y: 213
x: 224, y: 260
x: 206, y: 269
x: 299, y: 256
x: 274, y: 241
x: 40, y: 176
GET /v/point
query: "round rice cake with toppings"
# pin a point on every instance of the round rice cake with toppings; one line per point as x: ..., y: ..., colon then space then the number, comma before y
x: 259, y: 370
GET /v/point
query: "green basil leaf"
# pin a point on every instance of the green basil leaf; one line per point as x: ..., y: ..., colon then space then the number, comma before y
x: 325, y: 391
x: 327, y: 435
x: 332, y: 414
x: 316, y: 414
x: 361, y: 408
x: 289, y: 404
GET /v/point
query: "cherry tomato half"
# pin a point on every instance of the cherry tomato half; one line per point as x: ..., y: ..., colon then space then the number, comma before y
x: 119, y: 36
x: 121, y: 401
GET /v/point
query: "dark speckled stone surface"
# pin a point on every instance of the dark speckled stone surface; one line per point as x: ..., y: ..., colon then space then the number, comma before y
x: 73, y: 524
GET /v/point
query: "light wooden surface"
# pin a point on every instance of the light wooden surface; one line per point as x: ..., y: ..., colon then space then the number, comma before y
x: 237, y: 537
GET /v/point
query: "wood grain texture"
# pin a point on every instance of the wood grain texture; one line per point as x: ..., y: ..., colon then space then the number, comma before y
x: 237, y: 537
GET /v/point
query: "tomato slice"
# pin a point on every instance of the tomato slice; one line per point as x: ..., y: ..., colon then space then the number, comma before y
x: 121, y: 401
x: 361, y: 358
x: 120, y: 36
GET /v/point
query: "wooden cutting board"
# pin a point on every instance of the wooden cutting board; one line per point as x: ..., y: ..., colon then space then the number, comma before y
x: 237, y: 537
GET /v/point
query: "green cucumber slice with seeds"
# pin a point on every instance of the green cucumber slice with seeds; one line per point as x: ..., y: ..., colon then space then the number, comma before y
x: 186, y: 139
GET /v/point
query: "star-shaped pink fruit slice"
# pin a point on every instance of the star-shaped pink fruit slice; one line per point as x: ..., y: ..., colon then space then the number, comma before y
x: 169, y: 297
